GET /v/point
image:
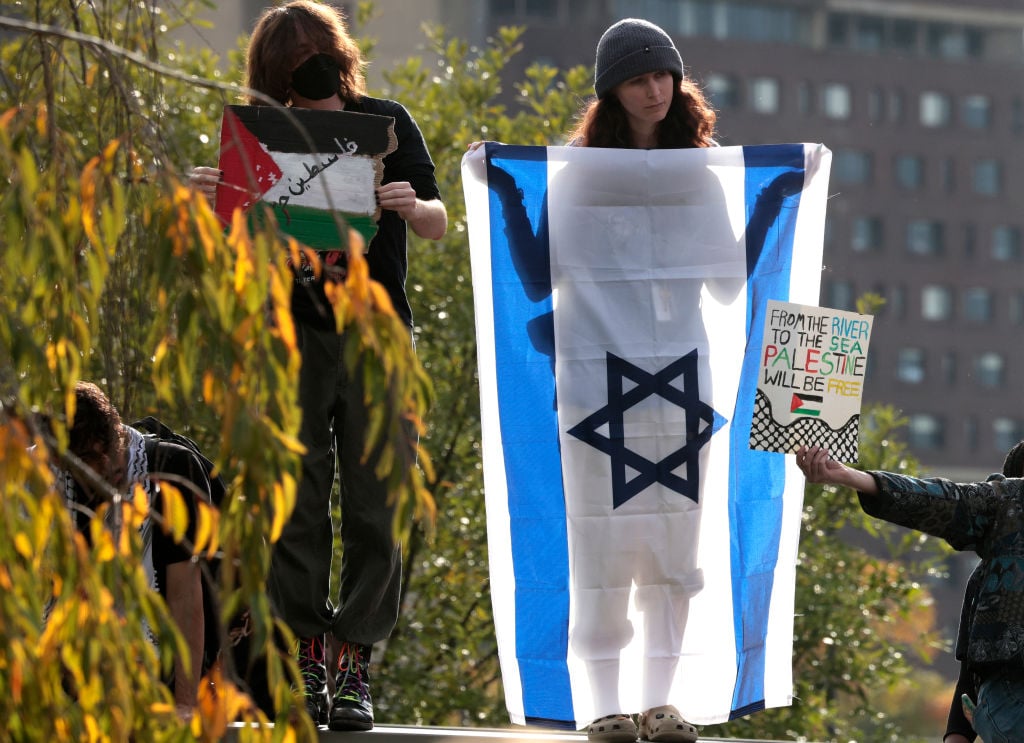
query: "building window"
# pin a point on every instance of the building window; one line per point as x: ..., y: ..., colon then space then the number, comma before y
x: 910, y: 171
x: 926, y: 431
x: 896, y: 106
x: 971, y: 433
x: 876, y: 105
x: 836, y: 101
x: 970, y: 239
x: 542, y: 8
x: 804, y: 97
x: 1006, y: 432
x: 762, y: 22
x: 502, y: 8
x: 977, y: 304
x: 989, y: 369
x: 839, y: 295
x: 1006, y: 243
x: 852, y: 166
x: 948, y: 174
x: 987, y: 177
x: 839, y: 29
x: 910, y: 365
x: 587, y: 10
x: 866, y: 234
x: 692, y: 18
x: 977, y: 112
x: 869, y: 34
x: 953, y: 42
x: 764, y: 95
x: 896, y: 301
x: 904, y: 36
x: 925, y: 237
x: 936, y: 302
x: 723, y: 91
x: 947, y: 368
x: 934, y: 109
x: 1017, y: 308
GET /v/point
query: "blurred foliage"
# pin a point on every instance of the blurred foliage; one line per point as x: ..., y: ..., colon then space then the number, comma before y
x: 112, y: 271
x: 116, y: 272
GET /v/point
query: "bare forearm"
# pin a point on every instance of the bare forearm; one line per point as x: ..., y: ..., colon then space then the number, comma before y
x: 429, y: 219
x: 185, y: 601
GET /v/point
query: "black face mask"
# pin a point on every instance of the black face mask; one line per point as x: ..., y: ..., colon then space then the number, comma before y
x: 317, y: 78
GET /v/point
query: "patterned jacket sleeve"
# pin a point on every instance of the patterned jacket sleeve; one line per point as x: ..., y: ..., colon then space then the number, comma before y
x: 961, y: 514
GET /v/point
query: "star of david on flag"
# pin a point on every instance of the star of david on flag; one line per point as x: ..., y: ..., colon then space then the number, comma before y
x: 641, y: 553
x: 701, y: 422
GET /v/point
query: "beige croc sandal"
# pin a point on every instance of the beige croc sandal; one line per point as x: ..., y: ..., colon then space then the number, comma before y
x: 666, y: 725
x: 612, y: 729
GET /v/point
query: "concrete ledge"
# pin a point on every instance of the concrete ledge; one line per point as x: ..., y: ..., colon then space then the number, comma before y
x: 413, y: 734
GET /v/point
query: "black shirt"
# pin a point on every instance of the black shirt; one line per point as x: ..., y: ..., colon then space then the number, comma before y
x: 386, y: 254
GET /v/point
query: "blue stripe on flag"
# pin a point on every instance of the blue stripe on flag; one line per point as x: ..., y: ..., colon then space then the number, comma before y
x: 523, y: 332
x: 774, y: 179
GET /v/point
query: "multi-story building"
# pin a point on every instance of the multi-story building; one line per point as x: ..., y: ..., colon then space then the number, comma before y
x: 922, y: 104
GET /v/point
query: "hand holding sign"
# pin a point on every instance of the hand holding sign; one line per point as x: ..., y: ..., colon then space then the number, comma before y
x: 813, y: 362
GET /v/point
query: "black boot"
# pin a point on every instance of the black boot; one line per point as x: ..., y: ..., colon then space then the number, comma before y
x: 352, y: 708
x: 312, y: 660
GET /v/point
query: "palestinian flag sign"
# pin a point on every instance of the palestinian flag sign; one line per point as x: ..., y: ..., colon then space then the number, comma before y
x: 305, y: 168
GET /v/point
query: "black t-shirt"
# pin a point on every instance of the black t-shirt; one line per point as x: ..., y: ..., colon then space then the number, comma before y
x: 178, y: 465
x: 386, y: 253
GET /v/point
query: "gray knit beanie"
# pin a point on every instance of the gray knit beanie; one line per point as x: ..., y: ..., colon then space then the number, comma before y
x: 633, y: 47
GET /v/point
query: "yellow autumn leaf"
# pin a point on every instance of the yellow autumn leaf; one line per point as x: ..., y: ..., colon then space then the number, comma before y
x: 381, y: 299
x: 92, y: 728
x: 214, y: 692
x: 88, y: 193
x: 208, y: 384
x: 175, y: 511
x: 356, y: 243
x: 108, y: 153
x: 104, y: 542
x: 5, y: 118
x: 41, y: 120
x: 281, y: 512
x: 16, y: 679
x: 23, y: 545
x: 207, y: 522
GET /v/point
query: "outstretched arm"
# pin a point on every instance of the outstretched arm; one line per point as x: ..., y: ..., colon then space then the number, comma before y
x: 819, y: 467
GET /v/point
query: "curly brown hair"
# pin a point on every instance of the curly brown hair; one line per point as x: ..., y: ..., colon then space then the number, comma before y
x: 287, y: 35
x: 690, y: 121
x: 96, y: 422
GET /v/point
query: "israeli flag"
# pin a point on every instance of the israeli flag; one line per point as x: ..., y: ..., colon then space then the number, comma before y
x: 640, y: 553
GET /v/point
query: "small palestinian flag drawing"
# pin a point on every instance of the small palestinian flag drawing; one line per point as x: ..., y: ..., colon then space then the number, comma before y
x: 803, y: 404
x: 304, y: 168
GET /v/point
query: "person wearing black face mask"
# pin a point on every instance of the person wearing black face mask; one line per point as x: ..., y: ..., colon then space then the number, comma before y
x: 301, y: 55
x: 317, y: 78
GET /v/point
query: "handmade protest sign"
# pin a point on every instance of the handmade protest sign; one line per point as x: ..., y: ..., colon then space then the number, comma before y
x: 304, y: 168
x: 813, y: 361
